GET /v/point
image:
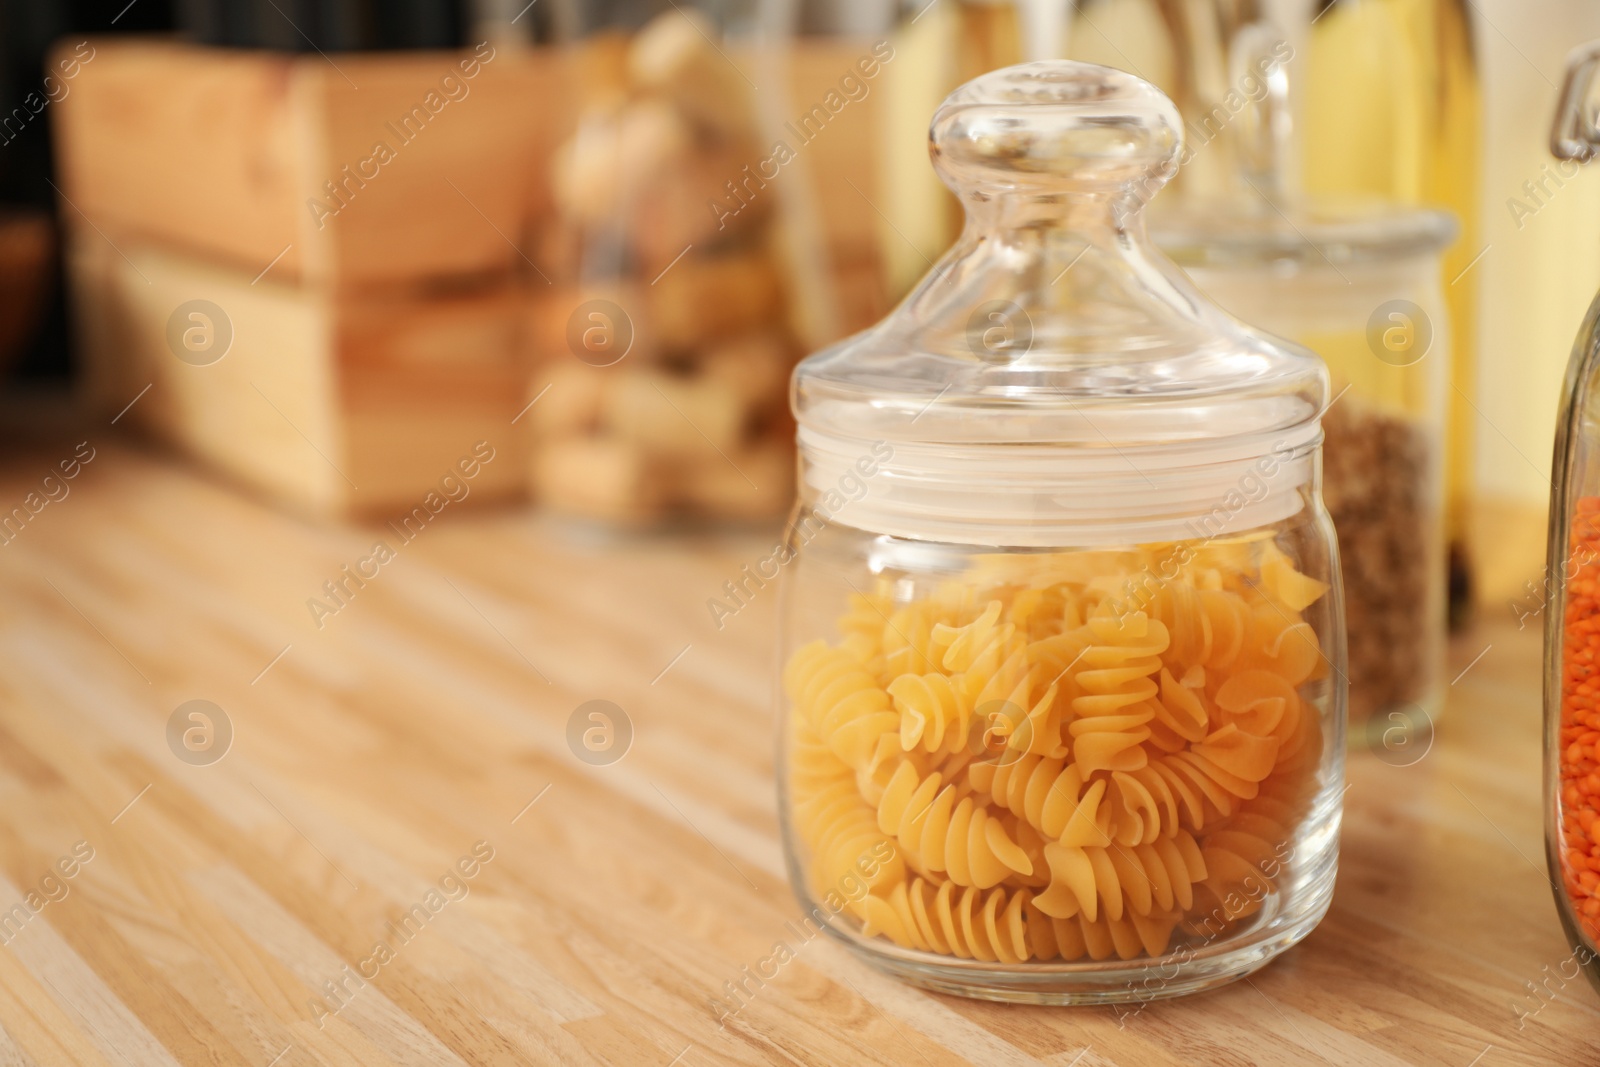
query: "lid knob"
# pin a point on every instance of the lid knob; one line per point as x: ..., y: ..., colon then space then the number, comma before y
x: 1056, y: 126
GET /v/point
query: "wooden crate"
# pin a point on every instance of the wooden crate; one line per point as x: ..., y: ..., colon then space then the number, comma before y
x: 386, y: 338
x: 347, y: 403
x: 226, y: 153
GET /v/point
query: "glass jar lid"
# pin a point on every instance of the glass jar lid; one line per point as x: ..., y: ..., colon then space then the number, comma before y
x: 1054, y: 378
x: 1314, y: 232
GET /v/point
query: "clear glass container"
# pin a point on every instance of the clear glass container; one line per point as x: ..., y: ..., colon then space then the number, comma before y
x: 1393, y: 108
x: 1062, y: 701
x: 665, y: 337
x: 1572, y: 588
x: 1360, y: 285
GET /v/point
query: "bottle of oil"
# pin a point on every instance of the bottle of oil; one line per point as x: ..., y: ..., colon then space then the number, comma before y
x: 1393, y: 109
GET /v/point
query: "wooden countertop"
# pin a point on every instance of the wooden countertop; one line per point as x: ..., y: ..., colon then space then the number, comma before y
x: 369, y: 758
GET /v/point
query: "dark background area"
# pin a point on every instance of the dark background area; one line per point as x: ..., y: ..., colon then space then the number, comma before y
x: 27, y: 30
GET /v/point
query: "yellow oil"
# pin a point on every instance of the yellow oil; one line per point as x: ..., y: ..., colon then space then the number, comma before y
x: 1393, y: 108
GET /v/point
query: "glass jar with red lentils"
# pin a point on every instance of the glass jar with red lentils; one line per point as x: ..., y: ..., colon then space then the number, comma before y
x: 1572, y: 618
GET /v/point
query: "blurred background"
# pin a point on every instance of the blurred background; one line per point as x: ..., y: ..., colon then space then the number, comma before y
x: 285, y: 284
x: 321, y: 249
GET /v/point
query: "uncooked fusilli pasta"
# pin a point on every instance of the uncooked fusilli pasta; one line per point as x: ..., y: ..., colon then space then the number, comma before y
x: 1070, y: 755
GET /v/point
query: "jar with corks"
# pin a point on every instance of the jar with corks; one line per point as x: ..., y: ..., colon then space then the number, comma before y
x: 662, y: 342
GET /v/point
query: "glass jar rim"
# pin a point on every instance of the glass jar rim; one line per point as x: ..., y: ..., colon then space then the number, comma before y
x: 1316, y: 232
x: 1058, y: 496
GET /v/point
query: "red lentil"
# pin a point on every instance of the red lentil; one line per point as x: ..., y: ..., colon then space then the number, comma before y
x: 1580, y: 724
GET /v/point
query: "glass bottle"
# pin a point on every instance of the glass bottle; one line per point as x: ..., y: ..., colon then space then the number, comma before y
x: 1360, y: 287
x: 1062, y: 701
x: 1572, y: 590
x: 1394, y: 109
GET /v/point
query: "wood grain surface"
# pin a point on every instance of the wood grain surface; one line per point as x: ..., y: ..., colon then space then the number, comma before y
x: 428, y: 717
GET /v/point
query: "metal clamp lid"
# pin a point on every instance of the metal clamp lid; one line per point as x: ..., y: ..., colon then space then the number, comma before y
x: 1576, y: 134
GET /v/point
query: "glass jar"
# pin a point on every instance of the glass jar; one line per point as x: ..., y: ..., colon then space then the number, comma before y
x: 1062, y: 700
x: 664, y: 337
x: 1572, y: 585
x: 1360, y: 286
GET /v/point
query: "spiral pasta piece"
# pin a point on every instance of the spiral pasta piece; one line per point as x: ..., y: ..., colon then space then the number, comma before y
x: 873, y: 777
x: 1072, y: 939
x: 944, y: 831
x: 1182, y: 716
x: 1240, y: 860
x: 834, y: 691
x: 1155, y: 799
x: 970, y: 923
x: 1158, y: 876
x: 840, y: 830
x: 1283, y: 643
x: 1286, y: 585
x: 1038, y: 731
x: 908, y: 645
x: 1111, y: 715
x: 1134, y: 811
x: 989, y: 657
x: 1050, y: 795
x: 932, y: 713
x: 966, y: 644
x: 812, y: 764
x: 1208, y: 626
x: 1218, y: 789
x: 865, y: 614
